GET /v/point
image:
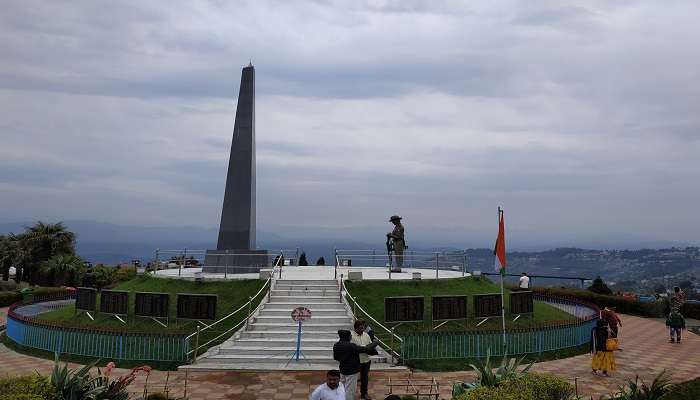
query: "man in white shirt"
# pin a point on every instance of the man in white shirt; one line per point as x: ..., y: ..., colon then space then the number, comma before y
x: 331, y: 390
x: 524, y: 282
x: 361, y: 338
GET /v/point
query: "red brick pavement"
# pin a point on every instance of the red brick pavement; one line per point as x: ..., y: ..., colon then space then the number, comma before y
x: 644, y: 341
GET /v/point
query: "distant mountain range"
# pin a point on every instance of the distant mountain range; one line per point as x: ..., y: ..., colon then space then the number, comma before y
x: 112, y: 243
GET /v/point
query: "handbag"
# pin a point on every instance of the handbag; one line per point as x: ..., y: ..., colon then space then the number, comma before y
x: 611, y: 344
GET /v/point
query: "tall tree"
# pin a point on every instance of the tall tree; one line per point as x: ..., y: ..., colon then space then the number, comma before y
x: 64, y: 268
x: 41, y: 242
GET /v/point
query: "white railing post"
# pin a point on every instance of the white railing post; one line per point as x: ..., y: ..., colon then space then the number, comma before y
x: 437, y: 265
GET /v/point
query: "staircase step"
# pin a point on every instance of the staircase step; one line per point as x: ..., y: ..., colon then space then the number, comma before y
x: 283, y: 286
x: 315, y: 320
x: 270, y: 342
x: 310, y: 299
x: 287, y: 334
x: 264, y: 326
x: 303, y: 282
x: 274, y: 312
x: 311, y: 305
x: 325, y: 352
x: 301, y: 292
x: 257, y: 359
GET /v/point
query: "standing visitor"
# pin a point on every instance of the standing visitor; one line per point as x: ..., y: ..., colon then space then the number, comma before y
x: 331, y: 390
x: 362, y: 338
x: 609, y: 316
x: 398, y: 240
x: 676, y: 323
x: 348, y: 356
x: 603, y: 359
x: 524, y: 282
x: 677, y: 299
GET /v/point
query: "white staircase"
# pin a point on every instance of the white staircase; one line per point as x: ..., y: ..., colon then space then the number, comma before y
x: 270, y: 340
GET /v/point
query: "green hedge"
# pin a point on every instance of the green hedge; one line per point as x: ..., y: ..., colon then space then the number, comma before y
x: 622, y: 305
x: 31, y: 387
x: 691, y: 311
x: 7, y: 298
x: 684, y: 391
x: 530, y: 386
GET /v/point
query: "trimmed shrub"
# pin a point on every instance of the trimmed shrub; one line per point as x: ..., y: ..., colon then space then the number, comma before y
x: 31, y: 387
x: 7, y: 286
x: 156, y: 396
x: 527, y: 387
x: 691, y: 311
x: 622, y: 305
x: 125, y: 274
x: 684, y: 391
x: 7, y: 298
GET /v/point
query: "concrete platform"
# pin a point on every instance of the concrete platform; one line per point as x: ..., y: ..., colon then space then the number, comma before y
x: 316, y: 273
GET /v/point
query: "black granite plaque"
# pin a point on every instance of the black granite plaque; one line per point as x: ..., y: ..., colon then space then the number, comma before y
x: 487, y: 305
x: 85, y: 299
x: 114, y: 302
x: 196, y: 306
x: 151, y: 304
x: 449, y: 307
x: 403, y: 309
x: 521, y: 303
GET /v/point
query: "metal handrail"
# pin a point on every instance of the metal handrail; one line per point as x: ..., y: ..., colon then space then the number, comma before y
x: 269, y: 281
x: 378, y: 324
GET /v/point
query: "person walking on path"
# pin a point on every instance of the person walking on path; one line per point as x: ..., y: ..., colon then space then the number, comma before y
x: 676, y: 323
x: 603, y: 360
x: 348, y: 356
x: 361, y: 338
x: 331, y: 389
x: 524, y: 282
x: 398, y: 241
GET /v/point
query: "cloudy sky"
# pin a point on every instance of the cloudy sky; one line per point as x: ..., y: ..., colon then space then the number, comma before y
x: 579, y: 118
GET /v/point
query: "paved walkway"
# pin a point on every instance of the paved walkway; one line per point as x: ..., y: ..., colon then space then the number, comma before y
x: 319, y: 272
x: 645, y: 343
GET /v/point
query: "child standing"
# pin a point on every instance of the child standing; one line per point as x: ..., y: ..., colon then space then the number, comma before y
x: 676, y: 323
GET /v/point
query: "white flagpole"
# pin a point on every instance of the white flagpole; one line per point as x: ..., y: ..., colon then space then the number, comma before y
x: 503, y: 300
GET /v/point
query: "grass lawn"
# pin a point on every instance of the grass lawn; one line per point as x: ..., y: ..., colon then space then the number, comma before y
x: 370, y: 295
x: 231, y: 295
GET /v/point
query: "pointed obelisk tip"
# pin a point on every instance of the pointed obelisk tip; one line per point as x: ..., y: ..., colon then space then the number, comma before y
x: 250, y: 62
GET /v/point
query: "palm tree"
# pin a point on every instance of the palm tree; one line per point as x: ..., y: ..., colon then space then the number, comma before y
x: 64, y: 268
x: 41, y: 242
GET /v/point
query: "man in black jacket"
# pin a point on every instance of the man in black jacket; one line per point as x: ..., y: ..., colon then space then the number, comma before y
x: 348, y: 355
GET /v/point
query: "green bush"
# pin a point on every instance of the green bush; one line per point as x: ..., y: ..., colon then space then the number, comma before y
x: 7, y: 298
x: 157, y: 396
x: 691, y: 310
x: 622, y: 305
x: 7, y: 286
x: 684, y: 391
x: 31, y: 387
x: 125, y: 274
x: 526, y: 387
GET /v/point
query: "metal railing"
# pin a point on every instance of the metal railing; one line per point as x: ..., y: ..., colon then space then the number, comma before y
x: 186, y: 258
x: 455, y: 261
x: 532, y: 277
x: 269, y: 283
x: 55, y: 337
x: 393, y: 337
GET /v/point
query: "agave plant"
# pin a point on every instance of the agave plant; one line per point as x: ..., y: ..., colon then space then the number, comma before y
x: 487, y: 376
x: 637, y: 389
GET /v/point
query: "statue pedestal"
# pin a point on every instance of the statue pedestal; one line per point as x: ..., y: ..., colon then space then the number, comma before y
x: 235, y: 261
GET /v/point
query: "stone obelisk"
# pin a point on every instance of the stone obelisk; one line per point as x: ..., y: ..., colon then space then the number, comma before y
x: 235, y: 247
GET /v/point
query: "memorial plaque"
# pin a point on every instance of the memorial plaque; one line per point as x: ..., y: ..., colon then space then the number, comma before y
x: 114, y: 302
x: 449, y: 307
x: 522, y: 303
x: 196, y: 306
x: 403, y: 309
x: 151, y: 304
x: 85, y: 299
x: 487, y: 305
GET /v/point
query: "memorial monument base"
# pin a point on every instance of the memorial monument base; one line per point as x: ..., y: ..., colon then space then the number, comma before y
x: 235, y: 261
